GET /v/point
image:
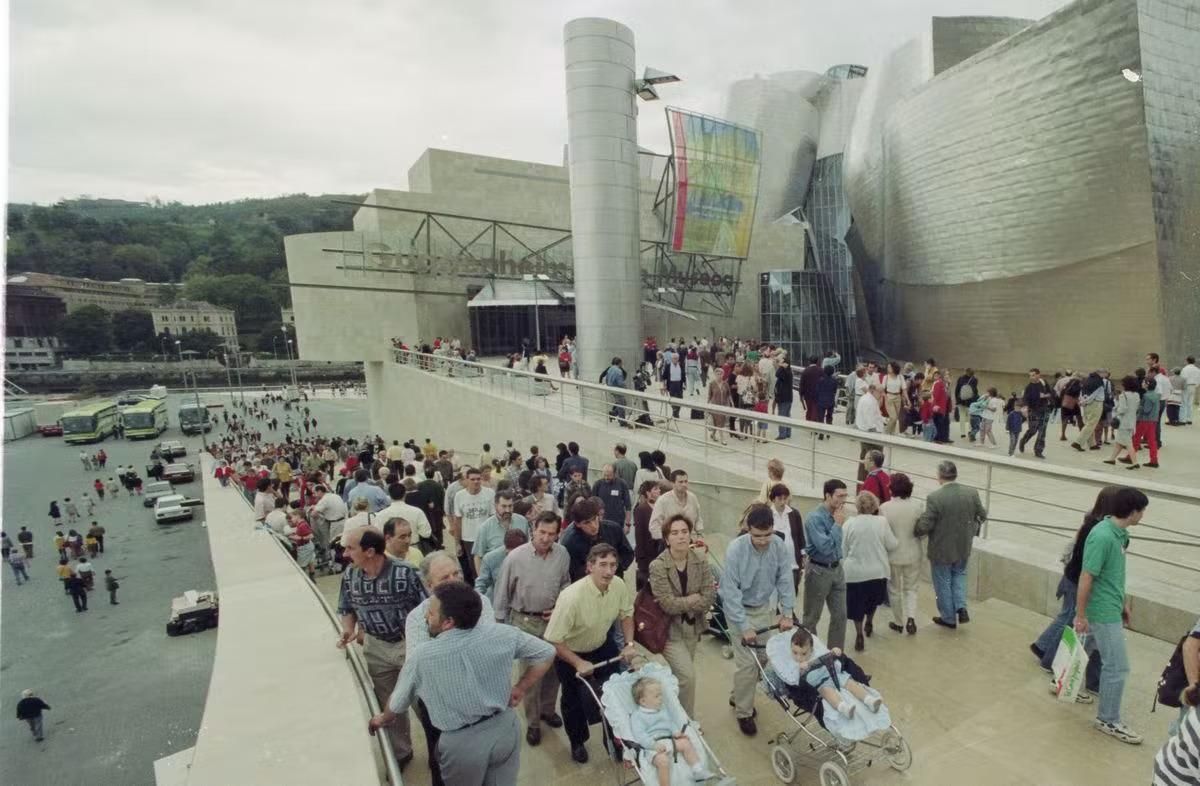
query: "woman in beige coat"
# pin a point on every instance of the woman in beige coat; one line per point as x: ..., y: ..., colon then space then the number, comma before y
x: 683, y: 585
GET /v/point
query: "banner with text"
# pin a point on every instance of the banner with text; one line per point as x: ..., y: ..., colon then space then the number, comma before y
x: 716, y: 184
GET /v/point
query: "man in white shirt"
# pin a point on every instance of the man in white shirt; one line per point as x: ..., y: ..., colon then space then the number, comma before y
x: 1162, y: 386
x: 1191, y: 380
x: 473, y: 505
x: 867, y: 416
x: 277, y: 518
x: 399, y: 509
x: 328, y: 510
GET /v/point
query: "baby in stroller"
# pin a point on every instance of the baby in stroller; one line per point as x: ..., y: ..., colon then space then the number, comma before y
x: 660, y: 731
x: 828, y: 685
x: 826, y: 675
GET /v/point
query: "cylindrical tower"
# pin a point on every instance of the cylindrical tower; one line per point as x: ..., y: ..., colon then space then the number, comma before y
x: 603, y: 165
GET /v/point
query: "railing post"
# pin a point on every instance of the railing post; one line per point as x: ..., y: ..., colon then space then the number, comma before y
x: 987, y: 499
x: 812, y: 455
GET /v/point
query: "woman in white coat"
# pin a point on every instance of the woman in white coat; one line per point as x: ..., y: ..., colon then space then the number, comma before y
x: 902, y: 512
x: 866, y: 541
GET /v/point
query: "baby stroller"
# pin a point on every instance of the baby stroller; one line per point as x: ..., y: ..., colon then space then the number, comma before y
x: 839, y: 746
x: 618, y: 705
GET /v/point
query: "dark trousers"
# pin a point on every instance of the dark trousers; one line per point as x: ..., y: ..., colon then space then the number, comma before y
x: 941, y: 422
x: 468, y: 563
x: 675, y: 389
x: 577, y: 704
x: 1162, y: 407
x: 1037, y: 427
x: 80, y: 599
x: 112, y: 597
x: 811, y: 410
x: 432, y: 734
x: 100, y: 543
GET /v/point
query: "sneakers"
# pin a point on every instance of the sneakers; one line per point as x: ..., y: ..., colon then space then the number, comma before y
x: 846, y: 709
x: 1083, y: 697
x: 1120, y: 731
x: 873, y: 703
x: 700, y: 773
x: 944, y: 624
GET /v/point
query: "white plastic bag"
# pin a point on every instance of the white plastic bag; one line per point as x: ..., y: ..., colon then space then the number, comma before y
x: 1070, y: 665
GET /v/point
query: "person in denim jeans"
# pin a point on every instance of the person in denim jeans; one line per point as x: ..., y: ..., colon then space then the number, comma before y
x: 1046, y: 645
x: 952, y: 518
x: 1102, y: 608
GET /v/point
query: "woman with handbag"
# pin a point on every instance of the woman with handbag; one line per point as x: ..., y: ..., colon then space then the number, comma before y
x: 683, y: 585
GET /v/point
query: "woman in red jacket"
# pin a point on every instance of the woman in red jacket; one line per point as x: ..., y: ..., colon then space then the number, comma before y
x: 941, y: 410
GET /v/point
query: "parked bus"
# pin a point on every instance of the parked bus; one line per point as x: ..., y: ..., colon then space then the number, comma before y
x: 194, y: 418
x: 145, y: 419
x: 91, y: 423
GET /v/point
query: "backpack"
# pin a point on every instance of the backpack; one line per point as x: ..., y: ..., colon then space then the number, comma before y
x: 966, y: 392
x: 1074, y: 388
x: 1174, y: 678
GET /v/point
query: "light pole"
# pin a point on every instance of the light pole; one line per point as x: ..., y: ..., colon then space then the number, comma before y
x: 228, y: 376
x: 534, y: 281
x: 237, y: 354
x: 162, y: 343
x: 182, y: 370
x: 291, y: 361
x: 666, y: 314
x: 195, y: 392
x: 274, y: 354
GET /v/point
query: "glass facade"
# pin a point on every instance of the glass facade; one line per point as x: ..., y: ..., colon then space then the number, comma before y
x: 499, y: 330
x: 802, y: 313
x: 828, y: 212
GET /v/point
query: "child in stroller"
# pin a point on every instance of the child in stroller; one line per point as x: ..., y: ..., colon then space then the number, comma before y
x: 826, y: 675
x: 660, y: 730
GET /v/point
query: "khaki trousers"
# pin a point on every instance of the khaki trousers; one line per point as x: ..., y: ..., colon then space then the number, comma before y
x: 384, y: 661
x: 894, y: 405
x: 541, y: 698
x: 680, y: 655
x: 746, y: 675
x: 1091, y: 418
x: 902, y: 591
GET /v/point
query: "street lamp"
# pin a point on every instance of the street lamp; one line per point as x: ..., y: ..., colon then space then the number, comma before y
x: 195, y: 390
x: 534, y: 280
x: 274, y: 354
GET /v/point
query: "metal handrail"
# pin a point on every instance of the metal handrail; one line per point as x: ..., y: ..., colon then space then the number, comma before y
x: 357, y: 664
x: 636, y: 402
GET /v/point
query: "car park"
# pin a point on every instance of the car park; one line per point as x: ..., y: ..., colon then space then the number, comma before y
x: 174, y: 507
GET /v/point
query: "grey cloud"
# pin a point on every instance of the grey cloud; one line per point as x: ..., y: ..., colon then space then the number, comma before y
x: 220, y: 100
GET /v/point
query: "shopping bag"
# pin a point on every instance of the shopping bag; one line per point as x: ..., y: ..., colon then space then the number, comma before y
x: 1070, y: 665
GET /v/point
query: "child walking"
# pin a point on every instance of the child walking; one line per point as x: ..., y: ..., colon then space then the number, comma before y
x: 992, y: 409
x: 1013, y: 423
x: 928, y: 430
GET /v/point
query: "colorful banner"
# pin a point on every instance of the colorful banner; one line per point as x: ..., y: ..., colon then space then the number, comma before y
x: 716, y: 184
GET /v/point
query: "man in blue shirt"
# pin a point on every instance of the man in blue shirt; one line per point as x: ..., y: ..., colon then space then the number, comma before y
x: 824, y: 581
x: 758, y: 565
x: 363, y: 488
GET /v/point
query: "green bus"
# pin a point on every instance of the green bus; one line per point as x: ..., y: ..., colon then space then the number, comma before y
x: 91, y: 423
x: 145, y: 419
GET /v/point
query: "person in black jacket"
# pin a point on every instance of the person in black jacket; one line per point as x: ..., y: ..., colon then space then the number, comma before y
x: 783, y: 394
x: 1038, y: 401
x: 966, y: 390
x: 29, y: 709
x: 793, y: 533
x: 587, y: 529
x: 810, y: 380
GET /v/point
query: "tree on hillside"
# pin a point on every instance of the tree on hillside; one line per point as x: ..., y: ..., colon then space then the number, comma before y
x: 133, y: 329
x: 252, y: 299
x: 200, y: 341
x: 140, y: 261
x: 86, y: 331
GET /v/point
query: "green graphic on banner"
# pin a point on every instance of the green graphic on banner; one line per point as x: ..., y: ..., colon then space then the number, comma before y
x: 716, y: 184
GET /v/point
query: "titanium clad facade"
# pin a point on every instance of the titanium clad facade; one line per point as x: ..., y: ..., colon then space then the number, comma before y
x: 1025, y: 199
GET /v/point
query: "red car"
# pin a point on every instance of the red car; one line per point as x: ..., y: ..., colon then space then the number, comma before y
x: 51, y: 430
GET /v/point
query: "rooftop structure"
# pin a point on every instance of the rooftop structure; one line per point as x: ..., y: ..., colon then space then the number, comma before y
x: 185, y: 316
x: 77, y: 292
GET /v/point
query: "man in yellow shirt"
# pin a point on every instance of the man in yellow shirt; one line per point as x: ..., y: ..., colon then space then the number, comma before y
x: 283, y: 473
x: 397, y: 536
x: 579, y: 630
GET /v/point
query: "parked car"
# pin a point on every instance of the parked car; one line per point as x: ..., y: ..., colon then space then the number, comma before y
x: 174, y: 507
x: 179, y: 473
x: 169, y: 449
x: 192, y: 612
x: 155, y: 489
x: 51, y: 430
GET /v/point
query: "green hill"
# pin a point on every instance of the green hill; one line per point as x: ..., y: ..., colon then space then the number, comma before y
x: 229, y: 253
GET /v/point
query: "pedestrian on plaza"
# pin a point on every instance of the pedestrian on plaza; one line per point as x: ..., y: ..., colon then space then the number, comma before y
x: 810, y: 378
x: 402, y: 506
x: 55, y: 513
x: 78, y: 592
x: 579, y: 630
x: 462, y: 676
x: 64, y: 572
x: 827, y: 390
x: 16, y: 561
x: 877, y: 481
x: 614, y: 495
x: 494, y: 529
x: 376, y: 595
x: 72, y: 510
x: 1102, y: 609
x: 527, y: 587
x: 789, y: 526
x: 98, y: 485
x: 1038, y: 400
x: 398, y: 538
x: 645, y: 547
x: 953, y: 517
x: 74, y: 544
x: 1149, y: 416
x: 682, y: 583
x: 1191, y: 382
x: 756, y: 593
x: 91, y: 543
x: 97, y: 532
x: 1124, y: 420
x: 775, y: 471
x: 6, y: 545
x: 85, y: 459
x: 966, y: 390
x: 719, y: 395
x: 894, y: 389
x: 86, y: 571
x: 473, y: 505
x: 941, y: 410
x: 1091, y: 404
x: 489, y: 565
x: 824, y: 576
x: 30, y: 709
x: 902, y: 512
x: 89, y: 503
x: 111, y: 586
x: 113, y: 487
x: 25, y: 538
x: 589, y: 529
x: 867, y: 540
x: 784, y: 394
x: 679, y: 501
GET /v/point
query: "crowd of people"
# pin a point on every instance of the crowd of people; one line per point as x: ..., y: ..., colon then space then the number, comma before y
x: 434, y: 549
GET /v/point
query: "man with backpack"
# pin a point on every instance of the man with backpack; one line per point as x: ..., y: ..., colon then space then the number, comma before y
x: 966, y: 390
x: 1182, y: 671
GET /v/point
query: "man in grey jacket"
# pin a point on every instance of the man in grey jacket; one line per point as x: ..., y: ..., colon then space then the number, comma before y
x: 952, y: 518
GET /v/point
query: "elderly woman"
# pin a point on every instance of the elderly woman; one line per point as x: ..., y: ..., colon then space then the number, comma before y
x: 866, y: 541
x: 683, y: 585
x: 902, y: 512
x: 718, y: 394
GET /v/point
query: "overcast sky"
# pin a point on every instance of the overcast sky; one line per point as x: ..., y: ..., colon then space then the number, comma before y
x: 216, y: 100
